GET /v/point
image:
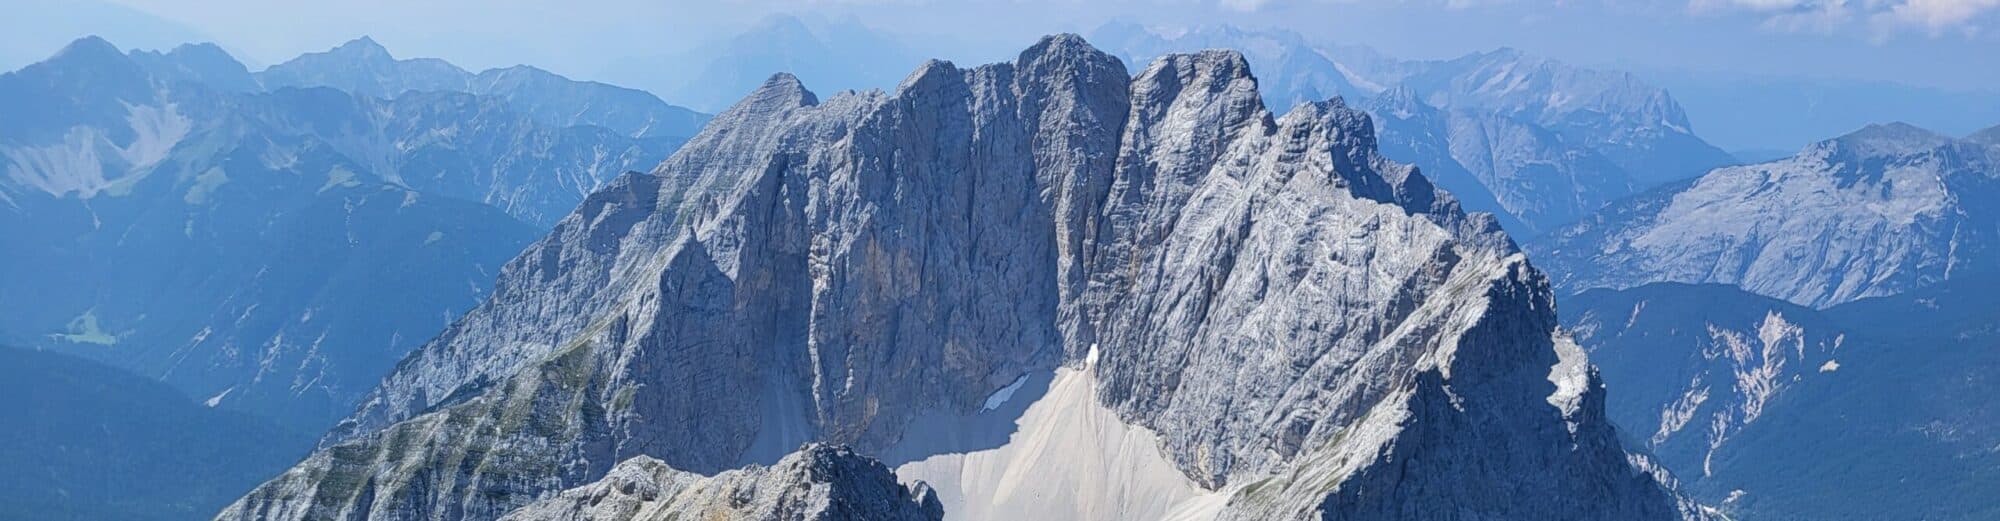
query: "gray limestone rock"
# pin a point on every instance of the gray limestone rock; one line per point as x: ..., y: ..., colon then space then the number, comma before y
x: 817, y: 483
x: 1310, y: 329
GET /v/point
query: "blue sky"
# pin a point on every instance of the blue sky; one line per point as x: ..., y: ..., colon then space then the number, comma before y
x: 1941, y: 43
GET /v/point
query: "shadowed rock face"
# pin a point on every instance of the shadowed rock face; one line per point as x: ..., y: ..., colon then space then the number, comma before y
x: 1771, y: 410
x: 1311, y: 330
x: 818, y: 482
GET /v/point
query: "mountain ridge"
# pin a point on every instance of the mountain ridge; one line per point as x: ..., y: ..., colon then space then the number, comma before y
x: 757, y: 282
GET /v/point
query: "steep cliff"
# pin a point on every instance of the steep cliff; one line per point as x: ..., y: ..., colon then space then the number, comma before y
x: 1260, y: 314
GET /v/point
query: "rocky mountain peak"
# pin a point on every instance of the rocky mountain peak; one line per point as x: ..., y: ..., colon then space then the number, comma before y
x: 1150, y: 254
x: 362, y: 48
x: 1886, y: 139
x: 819, y: 482
x: 88, y: 49
x: 1068, y: 55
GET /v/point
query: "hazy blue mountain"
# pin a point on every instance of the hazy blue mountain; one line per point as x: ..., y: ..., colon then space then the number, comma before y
x: 34, y: 28
x: 1876, y: 409
x: 1742, y: 112
x: 203, y: 63
x: 1289, y: 70
x: 274, y: 252
x: 1535, y: 177
x: 1547, y: 142
x: 1419, y: 134
x: 365, y: 68
x: 839, y: 54
x: 1876, y: 212
x: 1637, y: 126
x: 82, y: 441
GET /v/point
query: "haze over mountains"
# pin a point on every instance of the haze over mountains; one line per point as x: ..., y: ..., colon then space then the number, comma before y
x: 1536, y: 141
x: 297, y: 240
x: 1127, y: 278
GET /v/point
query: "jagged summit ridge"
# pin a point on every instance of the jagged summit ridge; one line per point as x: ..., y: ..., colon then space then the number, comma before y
x: 1278, y: 302
x: 818, y: 482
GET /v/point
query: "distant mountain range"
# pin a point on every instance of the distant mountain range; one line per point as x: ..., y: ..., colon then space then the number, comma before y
x: 362, y: 67
x: 1537, y: 142
x: 1750, y: 113
x: 840, y: 53
x: 272, y: 248
x: 1877, y: 212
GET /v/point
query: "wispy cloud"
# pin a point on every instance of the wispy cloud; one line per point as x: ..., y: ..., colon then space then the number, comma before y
x: 1884, y: 17
x: 1939, y: 16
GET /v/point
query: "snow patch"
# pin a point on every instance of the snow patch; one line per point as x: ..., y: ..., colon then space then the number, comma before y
x: 1829, y: 366
x: 1000, y: 397
x: 217, y: 399
x: 1571, y: 376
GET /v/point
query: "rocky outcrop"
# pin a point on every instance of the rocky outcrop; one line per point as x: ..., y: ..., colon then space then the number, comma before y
x: 819, y: 482
x: 1312, y: 330
x: 1878, y: 212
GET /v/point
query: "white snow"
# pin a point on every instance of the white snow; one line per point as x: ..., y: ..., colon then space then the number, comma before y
x: 1000, y: 397
x: 1829, y: 366
x: 1571, y: 376
x: 217, y: 399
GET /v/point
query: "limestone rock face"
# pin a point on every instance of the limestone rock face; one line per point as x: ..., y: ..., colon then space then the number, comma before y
x: 1293, y: 325
x: 1878, y: 212
x: 819, y: 483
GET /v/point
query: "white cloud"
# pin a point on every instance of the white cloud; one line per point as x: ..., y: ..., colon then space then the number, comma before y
x: 1939, y: 15
x: 1245, y: 5
x: 1885, y: 16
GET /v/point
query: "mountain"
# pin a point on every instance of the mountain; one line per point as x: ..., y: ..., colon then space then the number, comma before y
x: 1750, y: 112
x: 1877, y: 212
x: 843, y: 54
x: 1041, y: 287
x: 273, y: 252
x: 1544, y: 142
x: 1637, y: 126
x: 84, y: 441
x: 201, y: 63
x: 817, y: 482
x: 1292, y: 71
x: 366, y: 69
x: 34, y: 28
x: 1771, y: 410
x: 1530, y: 176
